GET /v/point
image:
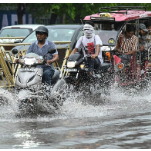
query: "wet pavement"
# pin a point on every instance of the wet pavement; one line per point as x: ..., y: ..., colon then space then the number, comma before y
x: 122, y: 122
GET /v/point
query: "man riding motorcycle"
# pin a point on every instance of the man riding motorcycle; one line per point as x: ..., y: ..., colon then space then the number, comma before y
x: 90, y: 45
x: 41, y: 47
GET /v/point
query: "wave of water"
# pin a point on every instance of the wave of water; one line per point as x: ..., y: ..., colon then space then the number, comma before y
x: 8, y: 108
x: 79, y: 123
x: 76, y: 106
x: 117, y: 102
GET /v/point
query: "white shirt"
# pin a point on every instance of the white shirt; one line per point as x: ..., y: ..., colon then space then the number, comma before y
x: 85, y: 41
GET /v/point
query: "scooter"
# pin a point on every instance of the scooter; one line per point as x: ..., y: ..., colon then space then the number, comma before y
x: 33, y: 95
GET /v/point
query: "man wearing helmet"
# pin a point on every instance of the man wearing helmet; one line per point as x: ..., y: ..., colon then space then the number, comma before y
x: 41, y: 47
x: 90, y: 44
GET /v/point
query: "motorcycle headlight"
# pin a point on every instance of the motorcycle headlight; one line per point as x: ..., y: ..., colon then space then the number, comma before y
x: 82, y: 66
x: 71, y: 64
x: 30, y: 61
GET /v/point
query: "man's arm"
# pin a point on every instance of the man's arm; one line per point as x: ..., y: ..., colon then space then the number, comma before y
x: 130, y: 52
x: 55, y: 58
x: 29, y: 49
x: 97, y: 52
x: 76, y: 47
x: 74, y: 51
x: 118, y: 45
x: 98, y: 44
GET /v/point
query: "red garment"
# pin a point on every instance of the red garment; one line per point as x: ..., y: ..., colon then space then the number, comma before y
x: 91, y: 48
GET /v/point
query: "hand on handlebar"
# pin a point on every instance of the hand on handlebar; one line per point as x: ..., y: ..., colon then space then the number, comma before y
x: 93, y: 56
x: 49, y: 62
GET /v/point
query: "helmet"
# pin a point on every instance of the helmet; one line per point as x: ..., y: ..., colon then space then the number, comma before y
x: 88, y: 30
x: 42, y: 29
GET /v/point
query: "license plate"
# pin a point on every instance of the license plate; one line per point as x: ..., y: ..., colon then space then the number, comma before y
x: 70, y: 70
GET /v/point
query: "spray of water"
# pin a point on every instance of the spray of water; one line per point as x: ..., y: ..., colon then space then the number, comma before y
x: 82, y: 105
x: 118, y: 101
x: 8, y: 104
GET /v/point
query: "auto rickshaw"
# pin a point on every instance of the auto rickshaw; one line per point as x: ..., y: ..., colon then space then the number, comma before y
x: 109, y: 23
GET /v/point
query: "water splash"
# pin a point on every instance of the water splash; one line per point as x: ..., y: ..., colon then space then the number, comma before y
x: 119, y: 102
x: 8, y: 106
x: 79, y: 105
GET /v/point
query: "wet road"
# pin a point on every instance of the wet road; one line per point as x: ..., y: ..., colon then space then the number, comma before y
x: 122, y: 122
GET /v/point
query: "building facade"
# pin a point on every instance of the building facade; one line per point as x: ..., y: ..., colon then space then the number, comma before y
x: 9, y: 17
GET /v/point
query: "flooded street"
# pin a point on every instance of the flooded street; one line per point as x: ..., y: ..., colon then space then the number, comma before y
x: 122, y: 122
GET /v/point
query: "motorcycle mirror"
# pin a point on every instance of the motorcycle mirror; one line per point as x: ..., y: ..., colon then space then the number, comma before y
x: 15, y: 51
x: 52, y: 50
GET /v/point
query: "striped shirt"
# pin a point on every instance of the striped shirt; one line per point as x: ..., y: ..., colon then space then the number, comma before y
x: 127, y: 45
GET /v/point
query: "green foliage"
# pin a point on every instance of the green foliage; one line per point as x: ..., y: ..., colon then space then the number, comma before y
x: 70, y: 10
x: 10, y: 36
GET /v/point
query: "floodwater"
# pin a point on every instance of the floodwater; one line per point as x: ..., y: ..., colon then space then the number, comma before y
x: 123, y: 121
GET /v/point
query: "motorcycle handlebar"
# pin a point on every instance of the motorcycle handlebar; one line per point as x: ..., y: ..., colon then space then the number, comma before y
x: 22, y: 63
x: 87, y: 56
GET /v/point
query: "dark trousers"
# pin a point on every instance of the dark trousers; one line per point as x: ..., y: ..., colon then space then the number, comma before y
x: 94, y: 64
x: 48, y: 73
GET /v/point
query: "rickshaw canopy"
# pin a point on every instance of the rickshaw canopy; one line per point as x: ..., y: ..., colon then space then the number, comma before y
x: 120, y: 15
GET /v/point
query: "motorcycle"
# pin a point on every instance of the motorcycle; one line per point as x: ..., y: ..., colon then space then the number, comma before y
x: 78, y: 79
x: 33, y: 95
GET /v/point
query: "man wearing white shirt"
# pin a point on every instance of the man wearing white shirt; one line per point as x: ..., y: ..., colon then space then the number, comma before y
x: 90, y: 44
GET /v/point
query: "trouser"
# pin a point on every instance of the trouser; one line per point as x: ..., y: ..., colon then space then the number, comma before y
x: 94, y: 64
x: 48, y: 73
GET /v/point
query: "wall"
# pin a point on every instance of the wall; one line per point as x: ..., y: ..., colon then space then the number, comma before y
x: 9, y: 17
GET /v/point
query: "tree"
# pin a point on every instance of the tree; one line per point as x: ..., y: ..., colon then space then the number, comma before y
x: 21, y: 8
x: 70, y: 12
